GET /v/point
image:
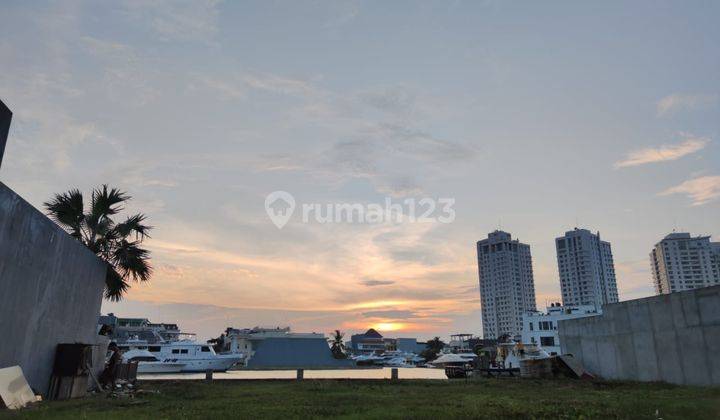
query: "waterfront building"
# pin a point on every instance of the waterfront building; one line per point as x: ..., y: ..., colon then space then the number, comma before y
x: 683, y: 262
x: 587, y: 271
x: 159, y: 343
x: 123, y: 329
x: 410, y: 345
x: 240, y: 340
x: 541, y: 328
x: 367, y: 343
x: 507, y: 289
x: 460, y: 343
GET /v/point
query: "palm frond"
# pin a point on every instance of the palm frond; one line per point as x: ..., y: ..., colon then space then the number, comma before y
x: 126, y: 260
x: 133, y: 261
x: 106, y: 202
x: 133, y: 224
x: 115, y: 285
x: 67, y: 210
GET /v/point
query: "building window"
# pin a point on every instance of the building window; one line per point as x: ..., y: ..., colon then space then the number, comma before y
x: 547, y: 341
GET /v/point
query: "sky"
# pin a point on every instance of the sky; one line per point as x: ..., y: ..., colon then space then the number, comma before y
x: 534, y: 117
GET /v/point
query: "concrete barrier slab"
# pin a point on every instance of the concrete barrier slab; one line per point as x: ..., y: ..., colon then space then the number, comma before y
x: 693, y: 357
x: 661, y: 314
x: 668, y: 356
x: 709, y: 309
x: 711, y: 335
x: 607, y: 353
x: 639, y: 314
x: 691, y: 313
x: 645, y: 356
x: 625, y: 355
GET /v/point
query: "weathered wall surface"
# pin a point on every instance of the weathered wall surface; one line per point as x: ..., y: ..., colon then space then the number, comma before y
x: 50, y: 289
x: 673, y: 338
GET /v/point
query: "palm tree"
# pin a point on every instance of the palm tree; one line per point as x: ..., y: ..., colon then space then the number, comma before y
x: 435, y: 344
x: 432, y: 348
x: 337, y: 345
x: 118, y: 244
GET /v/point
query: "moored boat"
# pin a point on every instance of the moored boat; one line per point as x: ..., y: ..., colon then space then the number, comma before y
x: 149, y: 363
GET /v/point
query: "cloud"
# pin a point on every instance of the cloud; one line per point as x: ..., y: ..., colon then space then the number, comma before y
x: 381, y: 154
x: 634, y: 279
x: 181, y: 20
x: 126, y: 77
x: 342, y: 12
x: 390, y: 314
x: 677, y: 101
x: 223, y: 87
x: 239, y: 85
x: 396, y: 100
x: 663, y: 153
x: 373, y: 282
x: 701, y: 190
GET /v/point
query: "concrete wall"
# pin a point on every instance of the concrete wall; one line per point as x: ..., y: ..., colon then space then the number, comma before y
x: 50, y: 289
x: 672, y: 338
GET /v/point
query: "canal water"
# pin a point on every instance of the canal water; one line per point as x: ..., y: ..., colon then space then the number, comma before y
x: 383, y: 373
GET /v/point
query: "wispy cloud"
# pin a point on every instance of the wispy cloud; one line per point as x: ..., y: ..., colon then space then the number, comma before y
x: 678, y: 101
x: 396, y: 314
x: 701, y: 190
x: 373, y: 282
x: 663, y: 153
x: 239, y: 85
x: 177, y: 20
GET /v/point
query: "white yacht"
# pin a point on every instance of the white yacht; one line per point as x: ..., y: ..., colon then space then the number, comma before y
x: 167, y: 344
x: 195, y: 357
x: 149, y: 363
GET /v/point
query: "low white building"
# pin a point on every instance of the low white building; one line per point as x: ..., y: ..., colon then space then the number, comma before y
x: 541, y: 328
x: 240, y: 340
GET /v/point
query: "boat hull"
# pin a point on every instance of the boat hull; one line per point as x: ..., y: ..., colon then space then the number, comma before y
x: 219, y: 364
x: 159, y: 367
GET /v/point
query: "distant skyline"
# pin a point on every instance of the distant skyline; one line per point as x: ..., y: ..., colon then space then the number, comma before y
x: 535, y: 117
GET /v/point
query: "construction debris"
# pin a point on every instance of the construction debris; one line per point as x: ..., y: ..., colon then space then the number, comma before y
x: 572, y: 368
x: 14, y: 388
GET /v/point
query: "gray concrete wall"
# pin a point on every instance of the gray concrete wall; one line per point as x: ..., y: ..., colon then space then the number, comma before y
x: 50, y: 289
x: 672, y: 338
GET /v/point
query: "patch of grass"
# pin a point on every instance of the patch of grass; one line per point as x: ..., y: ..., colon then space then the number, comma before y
x: 479, y: 398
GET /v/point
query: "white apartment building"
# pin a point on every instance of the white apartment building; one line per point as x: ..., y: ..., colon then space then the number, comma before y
x: 541, y: 328
x: 507, y: 289
x: 682, y: 262
x: 587, y: 272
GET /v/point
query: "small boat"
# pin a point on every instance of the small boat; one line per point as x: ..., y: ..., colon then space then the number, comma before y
x: 149, y: 363
x: 454, y: 359
x: 367, y: 360
x: 396, y: 362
